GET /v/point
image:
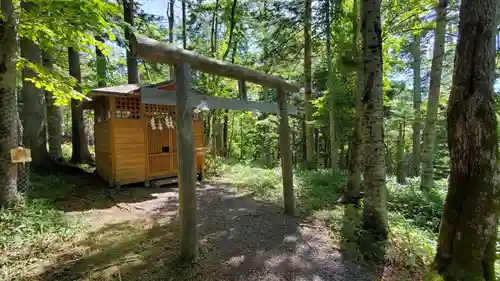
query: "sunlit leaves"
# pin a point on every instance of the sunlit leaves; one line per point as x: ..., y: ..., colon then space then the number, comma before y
x: 61, y: 24
x: 68, y: 23
x: 59, y: 83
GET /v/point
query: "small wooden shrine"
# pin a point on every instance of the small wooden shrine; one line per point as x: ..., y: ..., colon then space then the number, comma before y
x: 136, y: 142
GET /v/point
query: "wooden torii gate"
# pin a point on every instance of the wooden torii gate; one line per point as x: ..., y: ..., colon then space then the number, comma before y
x: 185, y: 101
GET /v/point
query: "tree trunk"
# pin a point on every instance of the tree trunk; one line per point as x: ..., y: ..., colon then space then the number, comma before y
x: 331, y: 100
x: 400, y: 163
x: 326, y: 151
x: 33, y: 108
x: 230, y: 145
x: 54, y: 115
x: 316, y: 147
x: 224, y: 134
x: 8, y: 105
x: 80, y: 153
x: 467, y: 236
x: 101, y: 66
x: 308, y: 87
x: 353, y: 187
x: 213, y: 137
x: 429, y: 145
x: 375, y: 197
x: 231, y: 31
x: 388, y: 161
x: 132, y: 68
x: 171, y: 14
x: 184, y: 34
x: 417, y: 102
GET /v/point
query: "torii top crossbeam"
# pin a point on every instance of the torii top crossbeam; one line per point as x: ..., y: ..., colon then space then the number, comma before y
x: 153, y: 50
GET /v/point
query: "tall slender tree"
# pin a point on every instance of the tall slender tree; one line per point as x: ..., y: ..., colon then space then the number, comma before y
x: 101, y: 65
x: 132, y: 67
x: 171, y: 18
x: 417, y: 103
x: 33, y: 114
x: 429, y: 144
x: 80, y: 152
x: 308, y: 81
x: 8, y: 104
x: 184, y: 34
x: 467, y: 236
x: 54, y: 114
x: 331, y: 108
x: 353, y: 187
x: 400, y: 151
x: 375, y: 200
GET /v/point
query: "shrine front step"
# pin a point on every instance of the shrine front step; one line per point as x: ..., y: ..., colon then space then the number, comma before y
x: 163, y: 182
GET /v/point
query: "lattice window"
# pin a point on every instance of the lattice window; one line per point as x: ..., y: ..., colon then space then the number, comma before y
x: 159, y: 109
x: 128, y: 108
x: 162, y: 110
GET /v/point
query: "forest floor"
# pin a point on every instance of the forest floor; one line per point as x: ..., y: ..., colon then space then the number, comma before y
x: 98, y: 233
x: 132, y: 234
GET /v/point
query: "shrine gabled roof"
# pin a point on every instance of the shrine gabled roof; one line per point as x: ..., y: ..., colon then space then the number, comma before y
x: 126, y: 90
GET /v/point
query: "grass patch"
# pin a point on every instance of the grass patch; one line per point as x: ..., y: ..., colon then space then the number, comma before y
x: 260, y: 182
x: 32, y: 229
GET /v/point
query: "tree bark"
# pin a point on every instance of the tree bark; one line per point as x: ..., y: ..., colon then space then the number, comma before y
x: 417, y: 102
x: 8, y: 105
x: 308, y: 87
x: 375, y: 197
x: 429, y: 144
x: 353, y: 187
x: 33, y: 113
x: 80, y: 152
x: 54, y: 115
x: 132, y: 67
x: 467, y: 236
x: 400, y: 163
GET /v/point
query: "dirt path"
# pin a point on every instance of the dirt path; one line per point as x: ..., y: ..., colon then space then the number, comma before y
x: 240, y: 239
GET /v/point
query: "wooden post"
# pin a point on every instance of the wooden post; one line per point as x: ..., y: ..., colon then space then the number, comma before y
x: 185, y: 162
x: 243, y: 96
x: 286, y: 153
x: 267, y: 149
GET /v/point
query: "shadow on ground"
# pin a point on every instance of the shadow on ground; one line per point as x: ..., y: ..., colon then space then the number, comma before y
x: 240, y: 239
x: 84, y: 191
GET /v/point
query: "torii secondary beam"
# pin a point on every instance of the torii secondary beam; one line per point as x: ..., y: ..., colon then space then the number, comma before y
x: 153, y: 50
x: 156, y: 96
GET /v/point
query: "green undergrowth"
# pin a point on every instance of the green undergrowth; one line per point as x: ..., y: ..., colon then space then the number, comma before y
x: 413, y: 216
x: 67, y: 150
x: 29, y: 230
